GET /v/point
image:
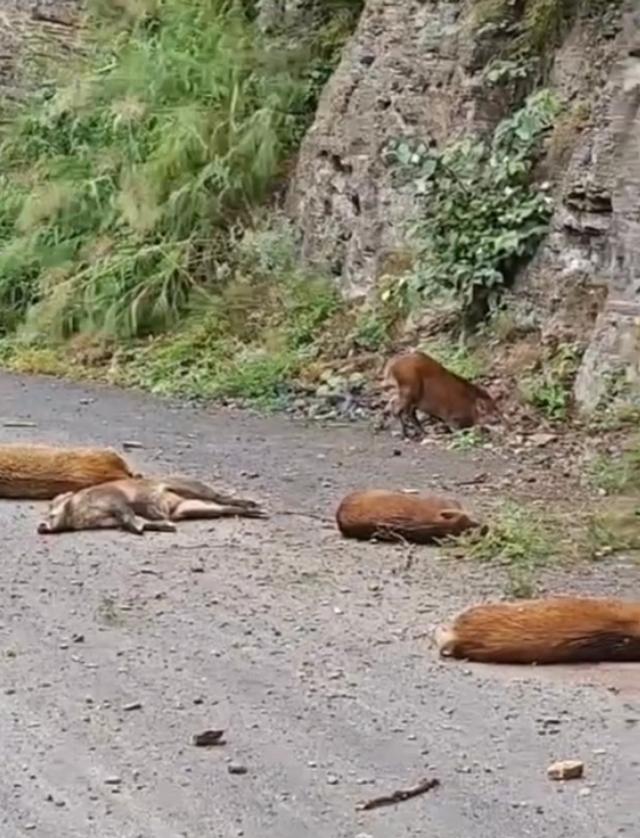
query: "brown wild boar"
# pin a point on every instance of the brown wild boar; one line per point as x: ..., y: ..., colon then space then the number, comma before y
x: 397, y: 516
x: 139, y: 505
x: 40, y: 472
x: 560, y: 629
x: 414, y: 381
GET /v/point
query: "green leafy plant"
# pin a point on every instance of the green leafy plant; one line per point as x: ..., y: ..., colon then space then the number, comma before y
x: 549, y: 396
x: 371, y: 332
x: 479, y: 216
x: 467, y: 439
x: 502, y: 71
x: 550, y: 390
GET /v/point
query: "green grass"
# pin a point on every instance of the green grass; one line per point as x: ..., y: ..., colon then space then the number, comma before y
x: 525, y: 538
x: 614, y: 527
x: 550, y: 390
x: 372, y: 332
x: 520, y: 538
x: 121, y: 191
x: 248, y: 339
x: 467, y: 439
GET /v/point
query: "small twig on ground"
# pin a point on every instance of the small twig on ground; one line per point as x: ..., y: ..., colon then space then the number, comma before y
x: 400, y: 539
x: 473, y: 481
x: 322, y: 518
x: 19, y: 423
x: 400, y: 795
x: 409, y: 560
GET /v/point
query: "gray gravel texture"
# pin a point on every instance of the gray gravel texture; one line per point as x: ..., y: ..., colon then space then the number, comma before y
x: 310, y: 651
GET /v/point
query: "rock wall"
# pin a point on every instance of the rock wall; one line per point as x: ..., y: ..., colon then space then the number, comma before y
x: 273, y: 14
x: 32, y: 32
x: 585, y: 282
x: 411, y: 69
x: 612, y: 360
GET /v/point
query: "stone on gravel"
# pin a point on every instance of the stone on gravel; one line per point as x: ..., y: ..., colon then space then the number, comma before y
x: 208, y: 737
x: 566, y: 769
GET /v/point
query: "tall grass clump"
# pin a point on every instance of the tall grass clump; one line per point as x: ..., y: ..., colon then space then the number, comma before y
x: 250, y: 337
x: 119, y: 188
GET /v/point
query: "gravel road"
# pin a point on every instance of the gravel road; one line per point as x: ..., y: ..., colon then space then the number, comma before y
x: 311, y: 652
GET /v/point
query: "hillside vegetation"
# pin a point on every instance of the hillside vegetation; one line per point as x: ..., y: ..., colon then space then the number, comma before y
x: 137, y: 219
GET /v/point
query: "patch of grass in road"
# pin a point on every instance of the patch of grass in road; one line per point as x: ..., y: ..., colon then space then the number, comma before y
x: 525, y: 538
x: 518, y: 537
x: 467, y: 439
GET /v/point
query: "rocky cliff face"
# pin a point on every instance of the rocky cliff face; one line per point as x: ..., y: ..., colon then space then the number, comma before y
x: 598, y: 222
x: 411, y: 69
x: 414, y: 69
x: 585, y: 282
x: 30, y: 31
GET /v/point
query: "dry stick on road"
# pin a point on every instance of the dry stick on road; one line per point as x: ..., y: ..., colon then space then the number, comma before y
x: 313, y: 515
x: 398, y: 796
x: 400, y: 539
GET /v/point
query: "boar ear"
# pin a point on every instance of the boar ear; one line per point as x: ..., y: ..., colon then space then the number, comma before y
x: 449, y: 514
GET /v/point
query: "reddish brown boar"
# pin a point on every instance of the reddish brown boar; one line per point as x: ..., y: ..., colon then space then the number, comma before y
x: 40, y: 472
x: 395, y: 516
x: 414, y: 381
x: 545, y: 631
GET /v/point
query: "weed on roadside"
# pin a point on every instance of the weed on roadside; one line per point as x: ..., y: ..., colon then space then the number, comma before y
x: 550, y: 389
x: 519, y: 538
x: 467, y: 439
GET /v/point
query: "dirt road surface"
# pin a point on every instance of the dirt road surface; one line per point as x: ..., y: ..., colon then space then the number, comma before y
x: 311, y: 652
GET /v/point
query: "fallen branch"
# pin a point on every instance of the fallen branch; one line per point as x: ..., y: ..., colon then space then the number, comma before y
x: 399, y: 796
x: 472, y: 481
x: 322, y: 518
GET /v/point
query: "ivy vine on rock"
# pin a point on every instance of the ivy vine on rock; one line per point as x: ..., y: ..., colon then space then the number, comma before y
x: 479, y: 217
